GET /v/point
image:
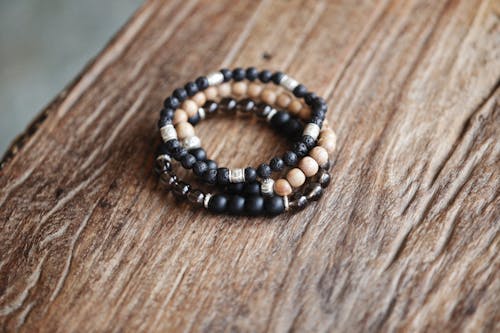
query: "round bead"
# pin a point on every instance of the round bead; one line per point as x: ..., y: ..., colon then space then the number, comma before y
x: 276, y: 164
x: 282, y: 187
x: 254, y: 90
x: 296, y: 177
x: 199, y: 98
x: 211, y: 93
x: 180, y: 94
x: 180, y: 116
x: 199, y: 153
x: 274, y: 205
x: 210, y: 176
x: 265, y: 76
x: 254, y: 205
x: 199, y: 168
x: 211, y: 164
x: 250, y: 174
x: 223, y: 176
x: 217, y: 203
x: 300, y: 149
x: 240, y: 88
x: 224, y: 89
x: 191, y: 88
x: 264, y: 170
x: 309, y: 166
x: 184, y: 130
x: 239, y: 74
x: 328, y: 142
x: 324, y: 178
x: 196, y: 197
x: 294, y: 107
x: 290, y: 158
x: 235, y: 188
x: 188, y: 161
x: 227, y: 104
x: 252, y: 73
x: 320, y: 155
x: 202, y: 83
x: 262, y: 110
x: 227, y: 73
x: 252, y: 188
x: 283, y: 100
x: 268, y: 96
x: 236, y: 204
x: 300, y: 91
x: 171, y: 102
x: 277, y: 76
x: 181, y: 189
x: 210, y: 107
x: 245, y: 105
x: 279, y: 120
x: 305, y: 113
x: 190, y: 107
x: 314, y: 191
x: 194, y: 119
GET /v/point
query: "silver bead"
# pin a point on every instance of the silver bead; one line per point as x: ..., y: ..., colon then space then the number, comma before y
x: 191, y: 142
x: 161, y: 158
x: 271, y: 114
x: 312, y: 130
x: 201, y: 112
x: 168, y: 132
x: 267, y: 187
x: 236, y: 175
x: 289, y: 83
x: 206, y: 200
x: 215, y: 78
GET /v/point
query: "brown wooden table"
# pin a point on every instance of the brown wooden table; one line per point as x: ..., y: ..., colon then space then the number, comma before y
x: 405, y: 239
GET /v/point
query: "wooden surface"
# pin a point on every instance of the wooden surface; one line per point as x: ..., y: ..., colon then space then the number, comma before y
x: 405, y: 239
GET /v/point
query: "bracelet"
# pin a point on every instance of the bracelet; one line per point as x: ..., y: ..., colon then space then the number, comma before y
x: 300, y: 121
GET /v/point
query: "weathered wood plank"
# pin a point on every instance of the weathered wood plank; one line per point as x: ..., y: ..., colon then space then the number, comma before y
x: 406, y: 238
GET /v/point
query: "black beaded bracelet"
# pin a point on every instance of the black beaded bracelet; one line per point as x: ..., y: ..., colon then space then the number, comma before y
x: 279, y: 119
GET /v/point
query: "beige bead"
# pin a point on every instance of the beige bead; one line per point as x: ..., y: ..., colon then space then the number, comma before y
x: 296, y: 177
x: 180, y: 116
x: 305, y: 113
x: 282, y: 187
x: 268, y: 96
x: 184, y: 130
x: 239, y: 88
x: 320, y: 155
x: 283, y: 100
x: 254, y: 90
x: 328, y: 140
x: 225, y: 90
x: 294, y: 107
x: 309, y: 166
x: 200, y: 98
x: 211, y: 93
x: 190, y: 107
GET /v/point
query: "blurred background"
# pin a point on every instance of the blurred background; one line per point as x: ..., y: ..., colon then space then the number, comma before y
x: 43, y: 46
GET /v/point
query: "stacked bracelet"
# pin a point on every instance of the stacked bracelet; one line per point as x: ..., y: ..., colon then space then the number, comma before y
x: 300, y: 121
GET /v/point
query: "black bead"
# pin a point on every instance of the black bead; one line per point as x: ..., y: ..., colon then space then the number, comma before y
x: 300, y: 91
x: 194, y: 119
x: 227, y: 104
x: 252, y: 188
x: 191, y: 88
x: 199, y: 168
x: 280, y: 119
x: 235, y: 188
x: 228, y: 74
x: 171, y: 102
x: 290, y: 158
x: 262, y: 110
x: 293, y: 128
x: 196, y: 197
x: 162, y: 149
x: 167, y: 113
x: 277, y: 164
x: 171, y: 145
x: 309, y: 98
x: 277, y: 76
x: 300, y: 149
x: 180, y: 94
x: 239, y: 74
x: 222, y: 176
x: 265, y: 76
x: 317, y: 120
x: 300, y: 201
x: 211, y: 164
x: 199, y: 153
x: 252, y: 73
x: 324, y: 178
x: 308, y: 141
x: 202, y: 83
x: 314, y: 191
x: 181, y: 189
x: 178, y: 153
x: 274, y: 205
x: 164, y: 121
x: 210, y: 107
x: 236, y: 204
x: 264, y: 170
x: 319, y: 103
x: 188, y: 161
x: 250, y: 174
x: 245, y: 105
x: 254, y: 205
x: 217, y: 203
x: 210, y: 176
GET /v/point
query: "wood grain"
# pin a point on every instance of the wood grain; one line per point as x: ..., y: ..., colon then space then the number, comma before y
x: 405, y: 239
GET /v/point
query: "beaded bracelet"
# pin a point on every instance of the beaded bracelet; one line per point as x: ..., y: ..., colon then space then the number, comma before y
x: 290, y: 158
x: 194, y: 97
